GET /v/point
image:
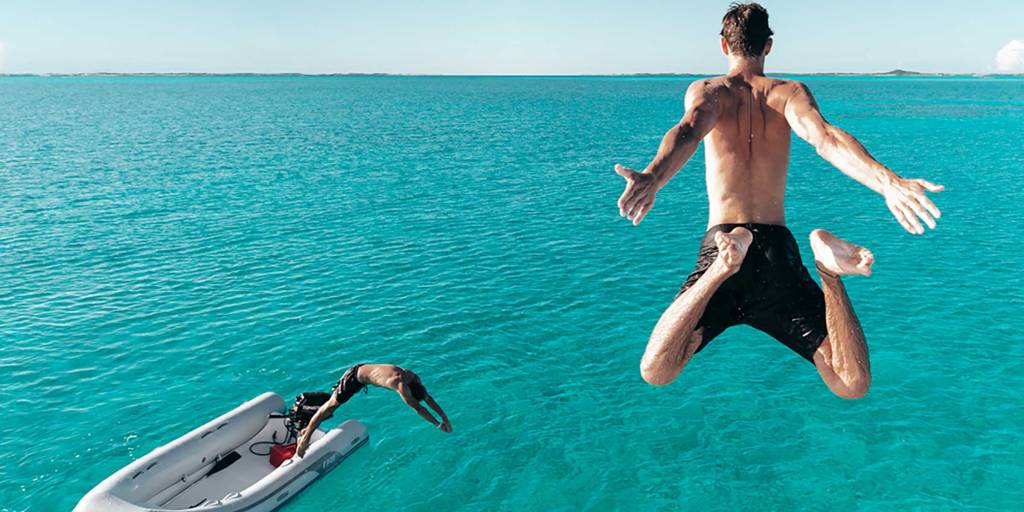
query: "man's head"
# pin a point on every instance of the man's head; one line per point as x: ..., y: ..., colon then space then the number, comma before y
x: 745, y: 31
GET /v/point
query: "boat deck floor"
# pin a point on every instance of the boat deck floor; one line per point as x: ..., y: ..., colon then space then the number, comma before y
x: 239, y: 475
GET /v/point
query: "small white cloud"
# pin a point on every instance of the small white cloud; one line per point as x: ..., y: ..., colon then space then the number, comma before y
x: 1011, y: 57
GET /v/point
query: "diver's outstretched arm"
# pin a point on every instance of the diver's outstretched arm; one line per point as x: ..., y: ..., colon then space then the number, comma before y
x: 445, y: 424
x: 905, y: 198
x: 677, y: 146
x: 324, y: 411
x: 410, y: 400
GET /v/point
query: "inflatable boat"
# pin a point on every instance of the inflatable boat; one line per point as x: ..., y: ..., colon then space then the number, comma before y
x: 225, y: 465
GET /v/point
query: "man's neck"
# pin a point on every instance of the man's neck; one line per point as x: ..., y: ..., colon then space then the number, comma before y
x: 746, y: 67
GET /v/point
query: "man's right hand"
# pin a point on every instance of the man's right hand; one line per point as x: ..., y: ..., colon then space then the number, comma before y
x: 302, y: 445
x: 445, y: 426
x: 638, y: 199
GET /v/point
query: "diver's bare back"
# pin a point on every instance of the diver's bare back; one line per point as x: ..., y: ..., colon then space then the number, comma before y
x: 747, y: 151
x: 385, y: 375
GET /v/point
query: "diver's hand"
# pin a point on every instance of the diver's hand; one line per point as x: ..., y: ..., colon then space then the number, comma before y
x: 445, y: 426
x: 302, y: 445
x: 907, y: 201
x: 638, y: 199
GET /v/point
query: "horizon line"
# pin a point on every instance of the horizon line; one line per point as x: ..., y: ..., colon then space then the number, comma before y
x: 890, y: 73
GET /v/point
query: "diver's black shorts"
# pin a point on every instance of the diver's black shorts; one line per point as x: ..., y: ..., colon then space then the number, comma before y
x: 772, y: 292
x: 348, y: 385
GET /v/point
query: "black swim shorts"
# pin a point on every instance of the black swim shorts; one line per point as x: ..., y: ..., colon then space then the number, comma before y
x: 348, y: 385
x: 772, y: 292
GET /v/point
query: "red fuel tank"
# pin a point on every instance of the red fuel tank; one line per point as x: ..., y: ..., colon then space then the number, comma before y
x: 280, y: 453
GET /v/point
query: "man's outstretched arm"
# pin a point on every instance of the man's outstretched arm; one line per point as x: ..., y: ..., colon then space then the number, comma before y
x: 410, y: 400
x: 905, y: 198
x: 445, y: 424
x: 677, y: 146
x: 306, y: 435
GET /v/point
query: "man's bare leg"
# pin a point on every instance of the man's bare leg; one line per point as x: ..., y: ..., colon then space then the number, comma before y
x: 842, y: 358
x: 673, y: 341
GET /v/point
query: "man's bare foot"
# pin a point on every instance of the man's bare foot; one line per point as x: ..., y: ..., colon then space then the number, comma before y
x: 732, y: 248
x: 839, y: 257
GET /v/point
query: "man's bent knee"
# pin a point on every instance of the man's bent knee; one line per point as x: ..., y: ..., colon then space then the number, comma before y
x: 656, y: 374
x: 852, y: 390
x: 660, y: 369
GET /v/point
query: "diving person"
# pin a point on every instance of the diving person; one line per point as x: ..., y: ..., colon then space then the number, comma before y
x: 404, y: 382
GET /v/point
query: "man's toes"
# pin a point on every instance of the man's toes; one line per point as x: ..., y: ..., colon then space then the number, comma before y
x: 864, y: 261
x: 724, y: 243
x: 866, y: 257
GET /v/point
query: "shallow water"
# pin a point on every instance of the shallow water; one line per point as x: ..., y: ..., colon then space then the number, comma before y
x: 170, y: 247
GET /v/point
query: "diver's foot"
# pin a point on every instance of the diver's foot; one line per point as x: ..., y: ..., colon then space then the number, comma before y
x: 838, y: 257
x: 732, y: 248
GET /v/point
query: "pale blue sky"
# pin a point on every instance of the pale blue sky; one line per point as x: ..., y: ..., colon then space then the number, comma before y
x: 493, y: 37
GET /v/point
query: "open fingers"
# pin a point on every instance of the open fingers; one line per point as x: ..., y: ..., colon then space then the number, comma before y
x: 632, y: 214
x: 624, y: 198
x: 623, y: 171
x: 646, y: 207
x: 633, y: 207
x: 921, y: 212
x: 630, y: 202
x: 901, y: 217
x: 929, y: 186
x: 637, y: 200
x: 908, y: 214
x: 930, y: 206
x: 641, y: 211
x: 638, y: 195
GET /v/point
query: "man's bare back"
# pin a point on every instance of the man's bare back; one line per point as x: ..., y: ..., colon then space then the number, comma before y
x: 386, y: 375
x: 747, y: 152
x: 749, y: 270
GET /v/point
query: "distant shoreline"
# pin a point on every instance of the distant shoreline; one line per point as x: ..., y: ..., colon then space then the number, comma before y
x: 893, y: 73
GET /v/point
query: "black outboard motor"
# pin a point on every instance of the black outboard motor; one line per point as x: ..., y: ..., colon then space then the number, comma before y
x: 305, y: 406
x: 297, y: 418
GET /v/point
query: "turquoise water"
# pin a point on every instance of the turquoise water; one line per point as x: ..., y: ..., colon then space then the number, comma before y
x: 170, y: 247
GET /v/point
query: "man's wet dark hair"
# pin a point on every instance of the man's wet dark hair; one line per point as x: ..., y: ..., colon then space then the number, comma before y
x: 745, y: 28
x: 418, y: 391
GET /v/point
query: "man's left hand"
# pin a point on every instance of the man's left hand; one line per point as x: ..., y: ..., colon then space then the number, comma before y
x: 907, y: 201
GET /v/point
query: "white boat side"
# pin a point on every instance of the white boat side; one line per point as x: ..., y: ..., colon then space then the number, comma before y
x: 177, y: 476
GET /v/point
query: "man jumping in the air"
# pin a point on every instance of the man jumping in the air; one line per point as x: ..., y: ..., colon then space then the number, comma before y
x: 749, y: 269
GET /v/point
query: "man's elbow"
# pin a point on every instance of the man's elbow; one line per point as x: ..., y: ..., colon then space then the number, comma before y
x: 685, y: 133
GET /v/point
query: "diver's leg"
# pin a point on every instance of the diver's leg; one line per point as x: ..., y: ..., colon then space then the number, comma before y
x: 842, y: 358
x: 673, y: 341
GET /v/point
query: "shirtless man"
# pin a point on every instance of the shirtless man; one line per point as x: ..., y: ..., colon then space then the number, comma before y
x: 404, y: 382
x: 749, y: 269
